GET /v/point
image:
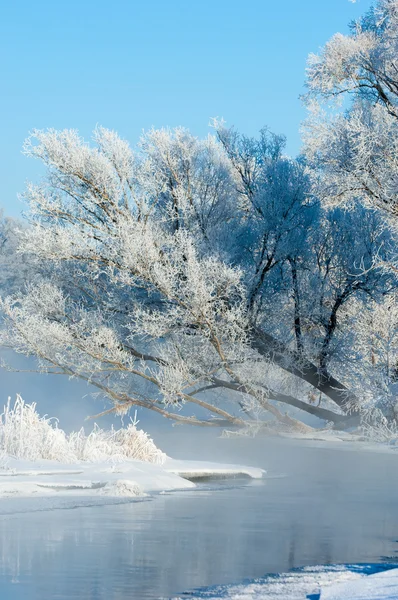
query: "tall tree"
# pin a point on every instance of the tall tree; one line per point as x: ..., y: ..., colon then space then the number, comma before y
x: 190, y: 273
x: 355, y: 151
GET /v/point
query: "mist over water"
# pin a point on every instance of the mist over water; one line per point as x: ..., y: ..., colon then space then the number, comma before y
x: 317, y: 505
x: 71, y: 401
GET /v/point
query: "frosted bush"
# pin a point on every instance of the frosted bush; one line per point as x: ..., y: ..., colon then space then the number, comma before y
x: 378, y: 428
x: 25, y: 434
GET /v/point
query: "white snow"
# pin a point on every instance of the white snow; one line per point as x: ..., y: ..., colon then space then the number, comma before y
x: 330, y: 582
x: 340, y: 440
x: 42, y: 467
x: 381, y: 586
x: 25, y: 434
x: 42, y: 484
x: 191, y: 469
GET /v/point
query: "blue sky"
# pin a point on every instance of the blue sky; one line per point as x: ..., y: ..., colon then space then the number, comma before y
x: 130, y: 65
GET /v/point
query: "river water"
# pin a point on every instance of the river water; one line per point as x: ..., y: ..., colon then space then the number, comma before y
x: 317, y: 505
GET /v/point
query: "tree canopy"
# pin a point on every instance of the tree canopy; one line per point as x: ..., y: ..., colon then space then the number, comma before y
x: 219, y: 281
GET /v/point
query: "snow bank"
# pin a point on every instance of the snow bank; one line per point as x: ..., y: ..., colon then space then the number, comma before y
x: 43, y: 484
x: 193, y: 469
x: 80, y: 482
x: 381, y: 586
x: 341, y: 440
x: 42, y: 467
x: 330, y: 582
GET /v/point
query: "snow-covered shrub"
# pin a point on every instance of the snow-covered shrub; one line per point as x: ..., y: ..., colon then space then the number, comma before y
x: 118, y: 444
x: 25, y: 434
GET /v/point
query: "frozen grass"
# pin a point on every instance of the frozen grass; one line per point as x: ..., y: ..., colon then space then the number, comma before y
x: 25, y: 434
x: 377, y: 428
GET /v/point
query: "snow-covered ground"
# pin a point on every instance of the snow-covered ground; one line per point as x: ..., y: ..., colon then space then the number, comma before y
x: 341, y: 440
x: 335, y: 582
x: 46, y: 484
x: 42, y: 467
x: 381, y: 586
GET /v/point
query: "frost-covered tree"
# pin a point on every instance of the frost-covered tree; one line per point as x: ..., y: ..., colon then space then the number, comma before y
x: 370, y: 346
x: 351, y: 148
x: 301, y: 263
x: 274, y: 207
x: 199, y: 279
x: 373, y: 340
x: 152, y: 319
x: 17, y: 269
x: 355, y: 151
x: 347, y: 248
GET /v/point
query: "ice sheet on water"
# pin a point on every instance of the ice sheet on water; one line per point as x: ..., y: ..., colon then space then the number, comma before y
x: 299, y: 584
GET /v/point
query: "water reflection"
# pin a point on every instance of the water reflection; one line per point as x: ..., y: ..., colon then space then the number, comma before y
x: 332, y: 507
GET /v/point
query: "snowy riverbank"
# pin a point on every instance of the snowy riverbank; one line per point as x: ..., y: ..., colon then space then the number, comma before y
x: 331, y: 582
x: 381, y: 586
x: 341, y: 440
x: 42, y: 467
x: 45, y: 484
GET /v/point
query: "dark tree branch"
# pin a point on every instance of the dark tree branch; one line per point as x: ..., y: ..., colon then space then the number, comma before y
x: 294, y: 363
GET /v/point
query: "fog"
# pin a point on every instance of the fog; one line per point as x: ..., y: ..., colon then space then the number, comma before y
x: 71, y: 401
x: 317, y: 505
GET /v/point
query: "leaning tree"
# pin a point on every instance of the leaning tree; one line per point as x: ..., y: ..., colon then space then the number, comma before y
x: 159, y: 266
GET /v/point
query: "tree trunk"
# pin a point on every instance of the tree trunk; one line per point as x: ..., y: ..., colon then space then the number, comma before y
x: 296, y: 298
x: 297, y: 365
